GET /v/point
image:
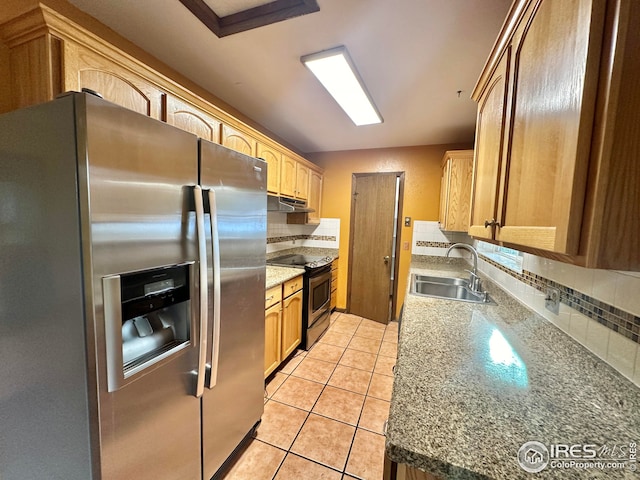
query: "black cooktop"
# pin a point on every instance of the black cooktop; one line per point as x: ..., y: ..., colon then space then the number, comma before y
x: 298, y: 260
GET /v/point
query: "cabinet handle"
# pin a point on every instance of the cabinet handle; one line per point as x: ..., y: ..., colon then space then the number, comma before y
x: 269, y: 298
x: 492, y: 223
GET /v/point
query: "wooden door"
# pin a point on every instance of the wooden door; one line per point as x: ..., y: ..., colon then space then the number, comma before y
x: 273, y: 159
x: 192, y: 119
x: 488, y: 151
x: 371, y: 293
x: 291, y: 323
x: 555, y: 64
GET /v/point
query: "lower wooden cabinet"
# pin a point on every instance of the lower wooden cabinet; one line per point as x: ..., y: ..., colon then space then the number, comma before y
x: 291, y: 323
x: 282, y: 322
x: 272, y: 326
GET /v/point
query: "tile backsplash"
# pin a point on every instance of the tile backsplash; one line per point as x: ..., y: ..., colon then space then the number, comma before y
x: 428, y: 239
x: 599, y: 308
x: 282, y: 236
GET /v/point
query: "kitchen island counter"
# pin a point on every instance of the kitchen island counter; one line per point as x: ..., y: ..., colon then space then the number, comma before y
x: 474, y: 382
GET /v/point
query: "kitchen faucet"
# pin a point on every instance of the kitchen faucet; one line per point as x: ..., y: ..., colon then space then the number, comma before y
x: 474, y: 280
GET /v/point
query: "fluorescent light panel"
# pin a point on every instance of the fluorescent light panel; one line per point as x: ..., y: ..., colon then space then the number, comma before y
x: 338, y: 75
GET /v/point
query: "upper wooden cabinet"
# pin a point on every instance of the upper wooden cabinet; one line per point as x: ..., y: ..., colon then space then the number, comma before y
x: 192, y: 119
x: 455, y: 191
x: 85, y: 68
x: 302, y: 181
x: 558, y: 133
x: 48, y: 53
x: 288, y: 176
x: 488, y: 151
x: 273, y: 159
x: 238, y: 141
x: 315, y: 196
x: 294, y: 178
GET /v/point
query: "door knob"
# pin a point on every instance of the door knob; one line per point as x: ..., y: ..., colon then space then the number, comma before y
x: 386, y: 259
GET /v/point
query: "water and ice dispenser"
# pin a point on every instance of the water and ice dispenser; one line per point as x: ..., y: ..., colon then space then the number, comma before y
x: 148, y: 319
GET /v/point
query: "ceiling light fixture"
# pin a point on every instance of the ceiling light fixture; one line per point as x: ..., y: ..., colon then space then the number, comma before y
x: 337, y: 73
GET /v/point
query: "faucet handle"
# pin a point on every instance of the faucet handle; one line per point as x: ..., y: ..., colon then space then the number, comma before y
x: 475, y: 282
x: 473, y: 274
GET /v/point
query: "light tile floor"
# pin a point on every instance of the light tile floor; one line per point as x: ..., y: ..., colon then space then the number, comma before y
x: 325, y: 409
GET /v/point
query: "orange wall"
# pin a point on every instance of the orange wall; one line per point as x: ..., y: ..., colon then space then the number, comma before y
x: 421, y: 165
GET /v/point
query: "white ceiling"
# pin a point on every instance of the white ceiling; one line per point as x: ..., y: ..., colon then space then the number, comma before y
x: 414, y: 56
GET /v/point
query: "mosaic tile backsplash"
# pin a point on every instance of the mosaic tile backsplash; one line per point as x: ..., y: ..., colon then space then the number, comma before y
x: 613, y: 318
x: 281, y: 235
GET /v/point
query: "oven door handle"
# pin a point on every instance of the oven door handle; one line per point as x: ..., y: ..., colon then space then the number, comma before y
x: 319, y: 279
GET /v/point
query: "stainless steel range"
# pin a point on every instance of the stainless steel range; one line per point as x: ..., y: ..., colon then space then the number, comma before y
x: 316, y: 294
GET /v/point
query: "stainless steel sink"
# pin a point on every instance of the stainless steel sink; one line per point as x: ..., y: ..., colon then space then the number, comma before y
x: 448, y: 288
x: 441, y: 280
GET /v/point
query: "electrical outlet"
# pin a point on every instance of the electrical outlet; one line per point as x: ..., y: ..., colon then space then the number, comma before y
x: 405, y: 246
x: 552, y: 300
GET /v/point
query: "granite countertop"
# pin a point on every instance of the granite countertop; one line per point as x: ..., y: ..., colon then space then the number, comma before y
x: 475, y: 382
x: 278, y: 275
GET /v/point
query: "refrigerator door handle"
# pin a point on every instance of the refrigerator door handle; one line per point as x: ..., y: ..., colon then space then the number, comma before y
x: 204, y: 305
x: 215, y: 334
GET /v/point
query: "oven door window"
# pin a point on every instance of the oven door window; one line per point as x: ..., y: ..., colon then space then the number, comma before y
x: 320, y: 294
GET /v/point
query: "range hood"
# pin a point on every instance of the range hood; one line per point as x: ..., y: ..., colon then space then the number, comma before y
x: 287, y: 205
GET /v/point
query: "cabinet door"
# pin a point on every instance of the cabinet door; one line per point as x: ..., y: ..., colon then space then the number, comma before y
x: 291, y: 323
x: 302, y: 181
x: 288, y: 176
x: 86, y: 69
x: 556, y: 63
x: 315, y: 196
x: 192, y: 119
x: 444, y: 194
x: 458, y: 191
x: 238, y: 141
x: 488, y: 151
x: 272, y: 342
x: 273, y: 159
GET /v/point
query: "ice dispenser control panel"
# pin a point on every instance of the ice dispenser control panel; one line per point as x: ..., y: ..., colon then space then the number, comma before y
x: 147, y: 319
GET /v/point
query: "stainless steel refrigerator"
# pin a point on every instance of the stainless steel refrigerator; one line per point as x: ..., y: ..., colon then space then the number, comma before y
x: 132, y: 272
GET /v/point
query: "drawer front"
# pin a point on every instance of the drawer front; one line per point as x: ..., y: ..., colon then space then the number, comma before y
x: 273, y: 296
x: 292, y: 286
x: 334, y: 278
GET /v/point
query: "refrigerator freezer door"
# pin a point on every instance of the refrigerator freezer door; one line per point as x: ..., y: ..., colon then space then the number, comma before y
x: 137, y: 176
x: 232, y: 406
x: 46, y: 416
